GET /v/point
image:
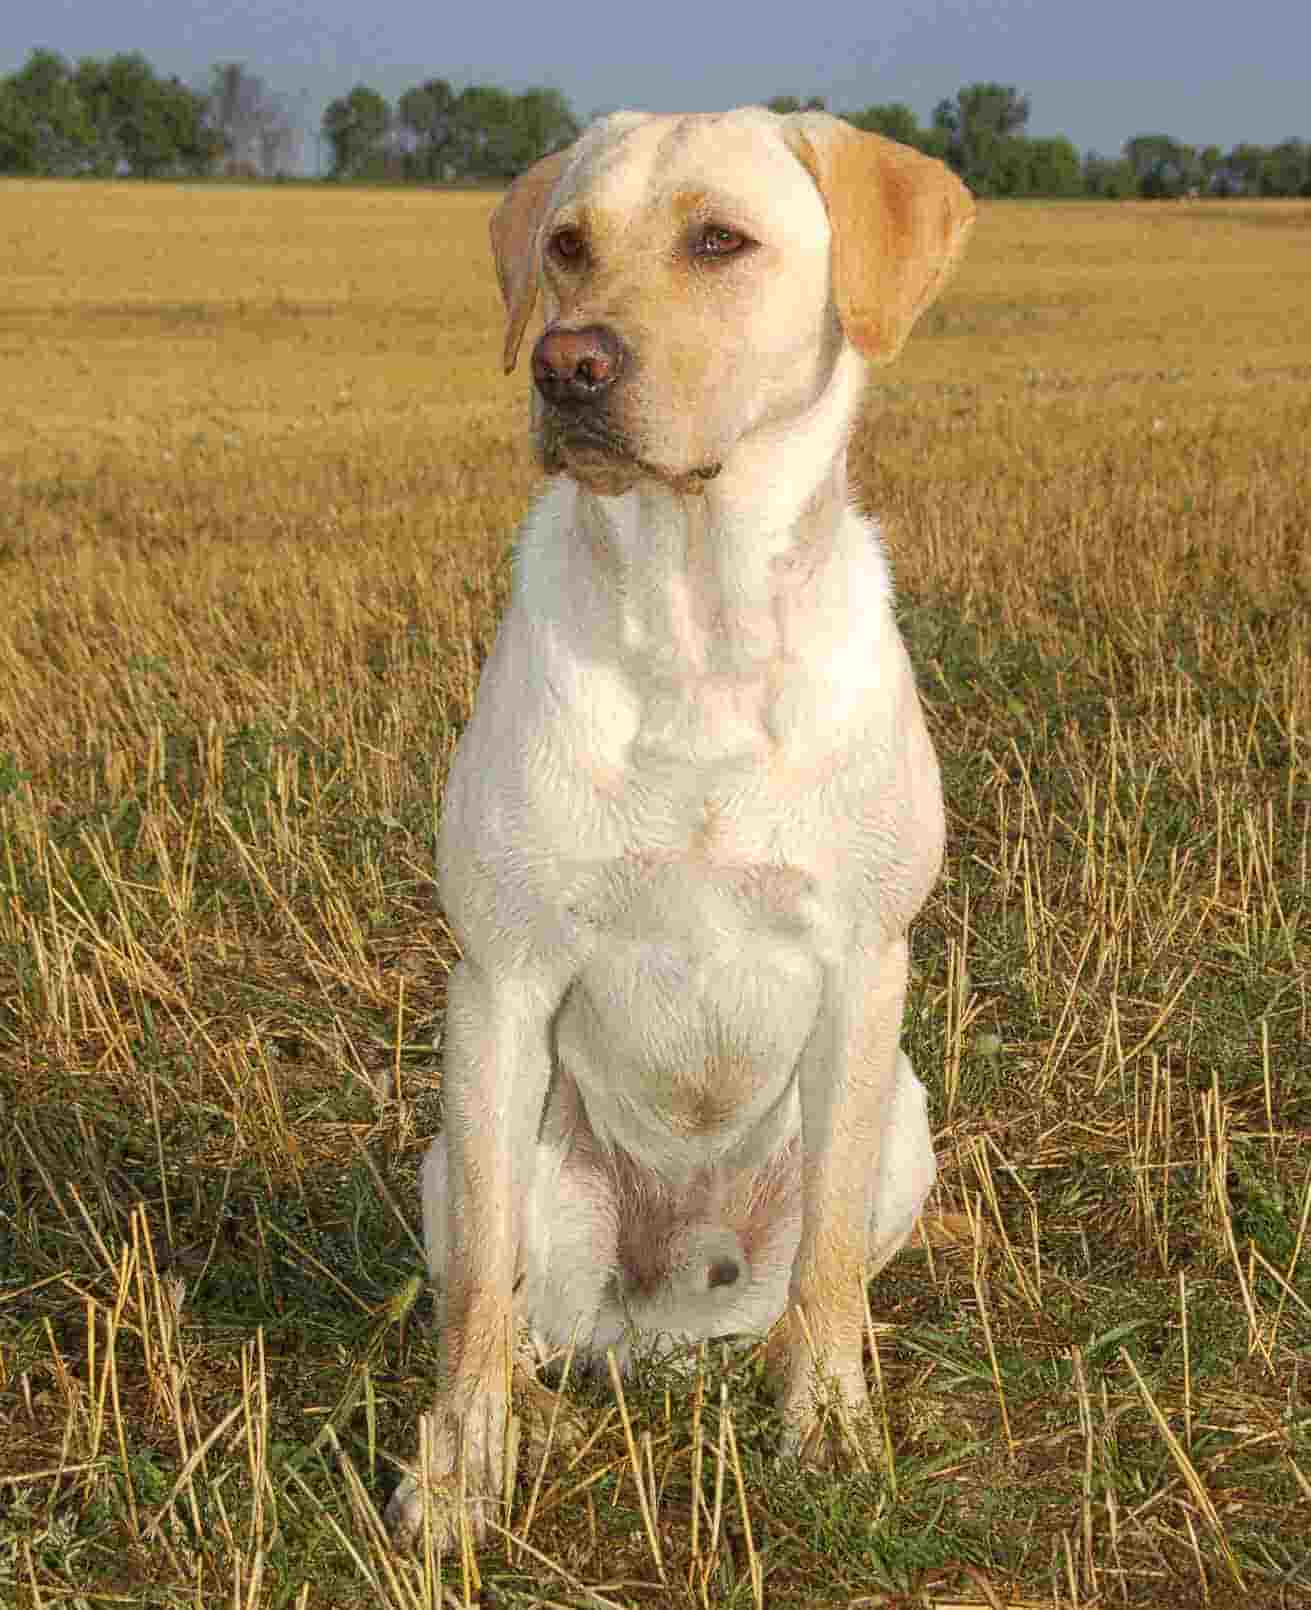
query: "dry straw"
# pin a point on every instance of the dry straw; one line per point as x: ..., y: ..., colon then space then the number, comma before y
x: 257, y: 492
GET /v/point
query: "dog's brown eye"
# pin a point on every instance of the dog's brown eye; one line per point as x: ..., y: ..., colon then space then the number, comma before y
x: 568, y: 245
x: 717, y: 241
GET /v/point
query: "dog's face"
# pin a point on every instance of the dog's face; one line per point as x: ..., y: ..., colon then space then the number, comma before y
x: 702, y: 248
x: 699, y: 276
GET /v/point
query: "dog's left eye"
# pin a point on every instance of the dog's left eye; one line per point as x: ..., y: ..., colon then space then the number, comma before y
x: 716, y: 240
x: 568, y: 245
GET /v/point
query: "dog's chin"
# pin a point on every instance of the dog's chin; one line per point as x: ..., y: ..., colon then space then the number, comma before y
x: 611, y: 468
x: 595, y: 465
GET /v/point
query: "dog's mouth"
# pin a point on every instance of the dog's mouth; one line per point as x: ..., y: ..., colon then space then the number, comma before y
x: 604, y: 460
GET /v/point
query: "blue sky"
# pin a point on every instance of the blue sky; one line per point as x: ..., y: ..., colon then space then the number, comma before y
x: 1098, y: 73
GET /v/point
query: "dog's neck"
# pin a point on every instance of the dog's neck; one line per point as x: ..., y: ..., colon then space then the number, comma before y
x: 701, y: 577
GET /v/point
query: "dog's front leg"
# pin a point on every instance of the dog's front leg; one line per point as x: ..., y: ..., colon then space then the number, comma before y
x: 847, y: 1078
x: 497, y: 1068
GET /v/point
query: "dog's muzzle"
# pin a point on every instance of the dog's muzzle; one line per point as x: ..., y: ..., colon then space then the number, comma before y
x: 575, y: 372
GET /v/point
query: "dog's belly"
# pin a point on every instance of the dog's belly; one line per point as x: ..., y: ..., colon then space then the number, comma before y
x: 684, y: 1027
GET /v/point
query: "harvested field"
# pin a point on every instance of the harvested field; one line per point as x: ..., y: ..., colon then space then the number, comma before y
x: 259, y: 471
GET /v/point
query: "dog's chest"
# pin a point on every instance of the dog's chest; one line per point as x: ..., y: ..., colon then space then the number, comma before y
x: 700, y: 929
x: 691, y: 765
x: 685, y: 1021
x: 693, y: 732
x: 687, y: 727
x: 697, y: 752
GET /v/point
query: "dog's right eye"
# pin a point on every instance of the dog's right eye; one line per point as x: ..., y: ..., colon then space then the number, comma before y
x: 717, y: 240
x: 568, y: 246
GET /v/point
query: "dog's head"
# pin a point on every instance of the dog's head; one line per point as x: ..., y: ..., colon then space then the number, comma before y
x: 700, y: 275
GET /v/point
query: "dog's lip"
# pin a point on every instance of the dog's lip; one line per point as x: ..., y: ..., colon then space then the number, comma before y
x: 569, y: 430
x: 574, y: 434
x: 594, y: 443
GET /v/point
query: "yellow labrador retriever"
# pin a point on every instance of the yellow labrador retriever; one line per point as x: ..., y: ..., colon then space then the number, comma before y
x: 696, y: 807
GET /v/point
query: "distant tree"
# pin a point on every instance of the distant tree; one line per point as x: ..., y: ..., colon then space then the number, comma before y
x: 1210, y: 162
x: 543, y: 123
x: 934, y: 142
x: 483, y: 132
x: 895, y: 121
x: 254, y: 123
x: 152, y: 127
x: 43, y: 124
x: 1052, y: 168
x: 1162, y: 166
x: 486, y: 133
x: 1241, y: 173
x: 497, y: 134
x: 1007, y: 170
x: 1108, y: 178
x: 787, y: 104
x: 1275, y: 170
x: 357, y: 127
x: 426, y: 118
x: 977, y: 124
x: 1287, y: 172
x: 18, y: 137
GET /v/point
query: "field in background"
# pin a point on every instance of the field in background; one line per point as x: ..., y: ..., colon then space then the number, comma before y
x: 258, y: 476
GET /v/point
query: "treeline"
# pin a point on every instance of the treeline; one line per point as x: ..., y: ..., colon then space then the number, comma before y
x: 981, y: 133
x: 442, y: 136
x: 117, y: 116
x: 102, y: 118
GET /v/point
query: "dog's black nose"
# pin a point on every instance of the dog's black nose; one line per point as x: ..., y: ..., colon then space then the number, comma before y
x: 723, y: 1272
x: 577, y: 366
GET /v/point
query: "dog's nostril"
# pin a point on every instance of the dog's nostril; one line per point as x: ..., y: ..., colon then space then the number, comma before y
x: 723, y: 1272
x: 576, y: 366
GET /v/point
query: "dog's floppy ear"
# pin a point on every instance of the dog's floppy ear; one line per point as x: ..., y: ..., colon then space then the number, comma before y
x: 515, y: 226
x: 900, y: 221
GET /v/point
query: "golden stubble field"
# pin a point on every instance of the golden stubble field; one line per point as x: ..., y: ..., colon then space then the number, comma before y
x: 258, y: 476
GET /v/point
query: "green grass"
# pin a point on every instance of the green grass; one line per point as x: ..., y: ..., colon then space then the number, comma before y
x: 1110, y: 1131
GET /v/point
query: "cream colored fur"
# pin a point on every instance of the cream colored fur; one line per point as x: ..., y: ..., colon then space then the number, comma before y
x: 696, y: 806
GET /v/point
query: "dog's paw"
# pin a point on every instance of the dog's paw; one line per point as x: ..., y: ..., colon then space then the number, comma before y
x: 833, y: 1435
x: 413, y: 1507
x: 446, y: 1492
x: 828, y: 1422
